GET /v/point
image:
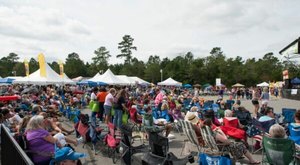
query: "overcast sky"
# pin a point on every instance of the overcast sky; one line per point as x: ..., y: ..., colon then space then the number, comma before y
x: 159, y: 27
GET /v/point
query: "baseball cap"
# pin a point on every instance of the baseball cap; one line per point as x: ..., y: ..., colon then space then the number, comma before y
x: 67, y: 153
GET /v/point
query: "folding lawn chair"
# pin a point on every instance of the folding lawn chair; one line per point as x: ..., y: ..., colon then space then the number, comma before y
x: 294, y: 131
x: 278, y: 151
x: 191, y: 135
x: 288, y: 114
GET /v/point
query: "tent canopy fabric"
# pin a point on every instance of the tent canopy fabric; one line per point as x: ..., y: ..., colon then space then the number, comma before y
x: 170, y: 82
x: 263, y: 84
x: 238, y: 85
x: 128, y: 80
x: 51, y: 78
x: 295, y: 81
x: 139, y: 80
x: 109, y: 78
x: 187, y: 85
x: 6, y: 80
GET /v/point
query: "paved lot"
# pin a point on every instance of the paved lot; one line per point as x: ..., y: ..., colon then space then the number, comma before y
x: 176, y: 144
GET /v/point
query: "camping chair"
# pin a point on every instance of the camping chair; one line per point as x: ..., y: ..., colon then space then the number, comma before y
x: 294, y: 133
x: 278, y: 151
x: 128, y: 149
x: 190, y: 133
x: 263, y: 128
x: 288, y: 114
x: 230, y: 103
x: 243, y: 116
x: 160, y: 154
x: 136, y: 123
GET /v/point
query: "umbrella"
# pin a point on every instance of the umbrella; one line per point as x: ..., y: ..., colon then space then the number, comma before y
x: 197, y: 85
x: 238, y: 85
x: 187, y: 85
x: 206, y: 85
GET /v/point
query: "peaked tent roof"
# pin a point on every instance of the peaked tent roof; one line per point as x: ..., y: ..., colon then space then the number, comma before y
x: 35, y: 78
x: 263, y: 84
x: 77, y: 78
x: 109, y: 78
x: 67, y: 80
x: 170, y: 82
x: 238, y: 85
x: 126, y: 79
x: 139, y: 80
x: 296, y: 80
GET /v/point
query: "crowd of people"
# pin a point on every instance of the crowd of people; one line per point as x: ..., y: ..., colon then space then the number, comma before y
x: 36, y: 115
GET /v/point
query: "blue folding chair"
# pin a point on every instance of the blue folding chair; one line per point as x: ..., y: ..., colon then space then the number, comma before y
x: 294, y: 133
x: 288, y: 114
x: 230, y: 103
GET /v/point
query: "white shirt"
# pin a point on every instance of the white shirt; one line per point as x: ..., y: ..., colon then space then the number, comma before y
x: 93, y: 96
x: 108, y: 99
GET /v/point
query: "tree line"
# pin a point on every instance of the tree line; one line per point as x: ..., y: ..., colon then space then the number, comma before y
x: 184, y: 68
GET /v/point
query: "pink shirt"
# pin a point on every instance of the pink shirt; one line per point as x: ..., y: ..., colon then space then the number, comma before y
x: 158, y: 98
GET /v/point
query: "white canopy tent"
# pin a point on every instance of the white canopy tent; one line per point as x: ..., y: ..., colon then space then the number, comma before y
x: 170, y: 82
x: 263, y: 84
x: 109, y: 78
x: 35, y: 78
x: 76, y: 79
x: 126, y: 79
x: 139, y: 80
x: 67, y: 80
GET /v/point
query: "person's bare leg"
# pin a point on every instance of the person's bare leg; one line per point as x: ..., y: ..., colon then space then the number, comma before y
x: 59, y: 125
x: 168, y: 129
x: 250, y: 157
x: 71, y: 140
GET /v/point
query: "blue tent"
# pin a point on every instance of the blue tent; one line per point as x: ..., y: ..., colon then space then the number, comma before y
x: 187, y: 86
x: 295, y: 81
x: 6, y: 80
x: 85, y: 82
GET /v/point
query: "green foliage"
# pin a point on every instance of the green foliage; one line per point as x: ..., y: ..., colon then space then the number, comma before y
x: 74, y: 66
x: 100, y: 60
x: 125, y: 47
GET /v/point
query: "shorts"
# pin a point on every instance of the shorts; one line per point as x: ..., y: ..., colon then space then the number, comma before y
x: 107, y: 110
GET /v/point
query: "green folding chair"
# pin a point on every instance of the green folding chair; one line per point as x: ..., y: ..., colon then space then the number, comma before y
x: 278, y: 151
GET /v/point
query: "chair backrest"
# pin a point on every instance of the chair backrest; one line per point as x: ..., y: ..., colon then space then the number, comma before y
x: 263, y: 126
x: 278, y: 151
x: 294, y: 133
x: 148, y: 120
x: 288, y: 114
x: 208, y: 138
x: 243, y: 116
x: 159, y: 145
x: 215, y: 107
x: 190, y: 133
x: 111, y: 128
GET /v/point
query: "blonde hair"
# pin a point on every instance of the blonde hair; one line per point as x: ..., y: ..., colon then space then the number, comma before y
x: 228, y: 113
x: 265, y: 89
x: 112, y: 91
x: 35, y: 123
x: 277, y: 131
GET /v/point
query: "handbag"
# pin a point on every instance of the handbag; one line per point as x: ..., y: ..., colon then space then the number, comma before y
x: 125, y: 117
x: 214, y: 160
x: 95, y: 107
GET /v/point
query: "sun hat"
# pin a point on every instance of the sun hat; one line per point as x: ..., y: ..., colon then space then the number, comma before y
x: 191, y: 117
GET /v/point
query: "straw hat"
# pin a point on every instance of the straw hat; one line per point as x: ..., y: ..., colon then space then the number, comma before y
x: 191, y: 117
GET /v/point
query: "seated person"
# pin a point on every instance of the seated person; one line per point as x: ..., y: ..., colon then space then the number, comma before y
x: 243, y: 115
x: 176, y: 113
x: 236, y: 149
x: 210, y: 114
x: 196, y: 122
x: 155, y: 124
x: 268, y: 115
x: 232, y: 127
x: 294, y: 128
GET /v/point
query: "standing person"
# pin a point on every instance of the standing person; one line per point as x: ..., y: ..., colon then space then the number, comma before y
x: 255, y: 97
x: 120, y: 107
x: 265, y: 96
x: 108, y: 103
x: 101, y: 99
x: 94, y: 98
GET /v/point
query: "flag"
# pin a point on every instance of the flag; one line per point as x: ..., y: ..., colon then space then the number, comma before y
x: 61, y: 68
x: 42, y: 64
x: 26, y: 67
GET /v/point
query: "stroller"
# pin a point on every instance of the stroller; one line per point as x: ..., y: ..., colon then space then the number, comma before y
x: 89, y: 132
